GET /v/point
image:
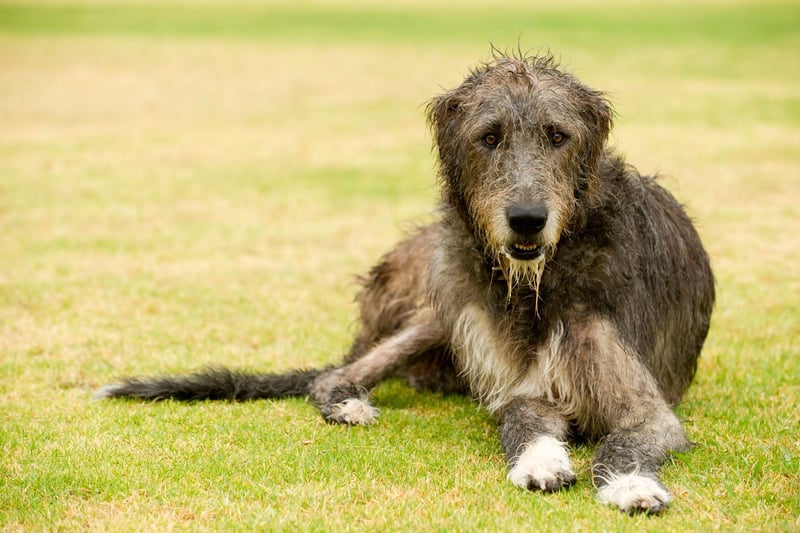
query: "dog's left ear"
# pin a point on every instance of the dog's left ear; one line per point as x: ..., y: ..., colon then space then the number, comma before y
x: 598, y: 117
x: 599, y: 113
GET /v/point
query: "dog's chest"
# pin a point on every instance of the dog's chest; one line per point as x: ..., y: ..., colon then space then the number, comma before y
x: 501, y: 363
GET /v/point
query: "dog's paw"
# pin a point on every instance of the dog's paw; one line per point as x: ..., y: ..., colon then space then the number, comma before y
x: 341, y: 402
x: 352, y: 411
x: 543, y: 465
x: 634, y: 493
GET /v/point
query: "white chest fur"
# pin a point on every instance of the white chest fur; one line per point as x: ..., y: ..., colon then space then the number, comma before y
x: 497, y: 367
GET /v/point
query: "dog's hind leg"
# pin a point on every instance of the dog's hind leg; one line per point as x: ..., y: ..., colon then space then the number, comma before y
x: 533, y: 434
x: 341, y: 394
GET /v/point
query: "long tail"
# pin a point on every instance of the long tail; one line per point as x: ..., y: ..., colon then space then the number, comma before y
x: 214, y: 384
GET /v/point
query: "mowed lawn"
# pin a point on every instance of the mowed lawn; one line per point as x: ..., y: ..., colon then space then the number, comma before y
x: 195, y: 183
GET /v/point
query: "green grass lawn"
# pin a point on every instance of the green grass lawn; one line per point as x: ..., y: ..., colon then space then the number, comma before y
x: 195, y: 183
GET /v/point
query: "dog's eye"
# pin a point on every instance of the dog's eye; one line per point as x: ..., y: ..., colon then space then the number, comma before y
x: 558, y: 138
x: 490, y: 140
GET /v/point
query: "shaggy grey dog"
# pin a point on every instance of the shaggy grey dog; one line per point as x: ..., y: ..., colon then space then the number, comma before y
x: 566, y: 292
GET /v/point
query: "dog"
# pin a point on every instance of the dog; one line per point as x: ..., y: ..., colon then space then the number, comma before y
x: 567, y: 293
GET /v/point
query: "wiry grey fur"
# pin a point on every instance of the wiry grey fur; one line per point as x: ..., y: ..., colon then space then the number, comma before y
x: 562, y: 289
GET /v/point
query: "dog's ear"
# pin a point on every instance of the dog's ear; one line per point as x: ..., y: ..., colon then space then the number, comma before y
x: 445, y: 117
x: 440, y: 110
x: 599, y: 114
x: 598, y: 117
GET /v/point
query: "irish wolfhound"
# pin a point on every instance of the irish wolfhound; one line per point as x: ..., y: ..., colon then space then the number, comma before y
x: 566, y: 292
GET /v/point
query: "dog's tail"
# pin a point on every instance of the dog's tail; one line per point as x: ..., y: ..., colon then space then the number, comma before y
x: 214, y: 384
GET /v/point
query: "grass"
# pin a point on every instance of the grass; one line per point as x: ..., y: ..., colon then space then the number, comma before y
x: 185, y: 184
x: 358, y: 23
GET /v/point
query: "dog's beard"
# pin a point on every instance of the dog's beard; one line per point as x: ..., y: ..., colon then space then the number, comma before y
x: 519, y: 274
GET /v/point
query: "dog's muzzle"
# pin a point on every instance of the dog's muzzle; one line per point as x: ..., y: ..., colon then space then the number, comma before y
x: 527, y: 222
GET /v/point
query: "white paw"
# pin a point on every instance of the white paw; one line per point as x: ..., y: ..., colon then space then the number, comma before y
x: 543, y: 465
x: 353, y: 411
x: 634, y: 493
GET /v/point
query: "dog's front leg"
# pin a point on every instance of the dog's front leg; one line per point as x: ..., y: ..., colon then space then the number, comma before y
x: 532, y: 434
x: 622, y: 399
x: 625, y: 469
x: 342, y: 393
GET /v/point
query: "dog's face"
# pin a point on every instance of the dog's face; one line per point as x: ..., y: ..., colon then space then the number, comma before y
x: 520, y: 145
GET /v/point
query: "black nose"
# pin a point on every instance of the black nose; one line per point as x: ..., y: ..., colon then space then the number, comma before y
x: 527, y: 220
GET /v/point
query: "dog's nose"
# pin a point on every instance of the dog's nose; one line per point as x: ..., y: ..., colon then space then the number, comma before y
x: 527, y: 220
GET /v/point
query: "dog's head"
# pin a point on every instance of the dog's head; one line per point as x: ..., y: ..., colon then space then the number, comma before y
x: 519, y: 144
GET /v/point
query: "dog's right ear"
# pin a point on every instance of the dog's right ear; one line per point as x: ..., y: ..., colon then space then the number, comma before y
x: 443, y: 113
x: 445, y: 117
x: 442, y: 106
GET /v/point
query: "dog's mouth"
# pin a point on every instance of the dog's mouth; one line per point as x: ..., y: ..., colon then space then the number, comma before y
x: 524, y: 251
